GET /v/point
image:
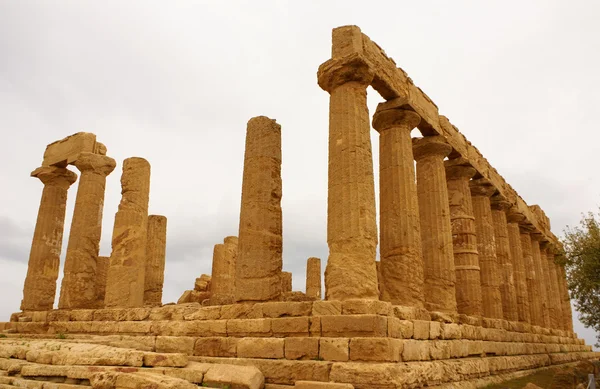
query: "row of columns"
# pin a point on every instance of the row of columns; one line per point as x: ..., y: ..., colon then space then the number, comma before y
x: 448, y: 242
x: 91, y: 281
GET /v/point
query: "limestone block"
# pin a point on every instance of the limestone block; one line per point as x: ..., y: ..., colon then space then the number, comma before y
x: 410, y: 313
x: 354, y: 325
x: 203, y: 283
x: 82, y: 315
x: 249, y: 327
x: 367, y: 307
x: 284, y: 309
x: 321, y: 385
x: 435, y: 330
x: 66, y: 151
x: 314, y: 326
x: 156, y: 243
x: 101, y: 276
x: 236, y: 377
x: 375, y: 349
x: 440, y: 349
x: 58, y: 315
x: 450, y: 331
x: 205, y: 313
x: 223, y: 270
x: 421, y: 329
x: 260, y: 348
x: 313, y: 278
x: 459, y: 348
x: 133, y: 327
x: 415, y: 350
x: 334, y: 349
x: 286, y: 281
x: 301, y: 348
x: 476, y: 347
x: 321, y: 308
x: 403, y: 329
x: 145, y: 380
x: 470, y: 332
x: 242, y: 311
x: 290, y: 326
x: 165, y: 359
x: 216, y: 347
x: 190, y: 328
x: 175, y: 344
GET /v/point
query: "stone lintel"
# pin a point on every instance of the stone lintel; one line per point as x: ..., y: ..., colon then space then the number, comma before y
x: 65, y: 151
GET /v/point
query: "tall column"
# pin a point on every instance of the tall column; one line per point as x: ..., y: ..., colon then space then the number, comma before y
x: 400, y: 235
x: 313, y: 278
x: 351, y: 220
x: 259, y: 261
x: 126, y: 283
x: 286, y: 281
x: 222, y: 282
x: 547, y: 285
x: 44, y: 258
x: 464, y: 235
x: 566, y: 299
x: 481, y: 191
x: 538, y: 262
x: 101, y: 274
x: 78, y: 288
x: 507, y: 270
x: 518, y: 262
x: 532, y: 273
x: 555, y: 301
x: 436, y: 230
x: 156, y: 246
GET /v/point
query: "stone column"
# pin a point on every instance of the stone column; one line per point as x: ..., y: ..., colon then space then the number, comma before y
x: 259, y: 261
x: 222, y: 284
x: 78, y: 288
x: 541, y: 277
x: 518, y: 262
x: 554, y: 295
x: 156, y: 246
x: 44, y: 258
x: 127, y: 271
x: 400, y: 236
x: 466, y: 259
x: 507, y: 270
x: 481, y: 191
x: 351, y: 220
x: 566, y: 299
x: 547, y: 285
x: 101, y: 274
x: 533, y: 285
x: 436, y: 231
x: 286, y: 281
x: 313, y: 278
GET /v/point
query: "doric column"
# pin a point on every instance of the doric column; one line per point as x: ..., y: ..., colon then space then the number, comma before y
x: 547, y: 285
x: 313, y: 278
x: 532, y: 274
x: 44, y: 258
x: 286, y: 281
x: 78, y: 288
x: 436, y: 231
x: 400, y: 235
x: 481, y: 191
x: 222, y: 282
x: 351, y: 225
x: 554, y: 296
x: 101, y: 275
x: 156, y: 245
x: 566, y: 299
x: 126, y: 279
x: 466, y: 260
x: 518, y: 261
x: 259, y: 261
x: 541, y: 276
x: 507, y: 270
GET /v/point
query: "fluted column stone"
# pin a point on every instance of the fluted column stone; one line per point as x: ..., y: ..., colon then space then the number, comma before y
x: 39, y: 290
x: 547, y: 285
x: 286, y: 281
x: 518, y: 261
x: 101, y: 276
x: 351, y: 219
x: 554, y: 295
x: 78, y: 288
x: 464, y: 234
x: 481, y: 191
x: 436, y: 231
x: 532, y: 273
x: 400, y: 232
x: 542, y: 278
x: 156, y: 245
x: 313, y: 278
x: 222, y: 282
x: 566, y: 299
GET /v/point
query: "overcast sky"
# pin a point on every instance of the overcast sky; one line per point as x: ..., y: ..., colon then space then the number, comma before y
x: 176, y: 82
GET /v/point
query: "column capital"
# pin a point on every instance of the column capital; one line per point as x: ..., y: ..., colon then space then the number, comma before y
x: 482, y: 187
x: 338, y: 71
x: 513, y: 215
x: 500, y: 203
x: 100, y: 164
x: 390, y: 118
x: 55, y: 176
x: 431, y: 146
x: 459, y: 168
x: 537, y: 236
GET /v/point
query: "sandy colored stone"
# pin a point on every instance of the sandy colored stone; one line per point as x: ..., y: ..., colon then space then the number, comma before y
x: 375, y: 349
x: 519, y: 266
x: 260, y: 348
x: 146, y: 380
x: 566, y: 300
x: 222, y: 283
x: 126, y: 274
x: 284, y: 309
x: 286, y: 281
x: 301, y: 348
x: 551, y: 319
x: 165, y: 359
x: 354, y: 325
x: 351, y: 218
x: 259, y: 261
x: 235, y: 377
x: 464, y: 234
x: 436, y: 231
x: 400, y: 230
x: 334, y: 349
x: 321, y: 385
x: 156, y: 244
x: 539, y: 296
x: 320, y: 308
x: 175, y: 344
x: 66, y: 151
x: 290, y: 326
x: 101, y: 276
x: 313, y: 278
x: 39, y: 290
x: 491, y: 298
x: 78, y: 288
x: 555, y: 300
x: 216, y: 346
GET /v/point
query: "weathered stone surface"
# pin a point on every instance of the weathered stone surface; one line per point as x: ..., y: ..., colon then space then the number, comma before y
x: 78, y: 289
x: 156, y: 244
x: 223, y: 271
x: 321, y: 385
x: 286, y: 281
x: 375, y: 349
x: 126, y: 274
x: 235, y: 377
x: 259, y: 261
x: 532, y: 272
x: 519, y: 267
x: 566, y: 300
x: 436, y: 231
x: 101, y: 276
x: 66, y: 151
x: 44, y: 258
x: 260, y: 348
x: 301, y: 348
x: 555, y: 300
x: 216, y: 346
x: 313, y: 278
x: 540, y: 264
x: 334, y: 349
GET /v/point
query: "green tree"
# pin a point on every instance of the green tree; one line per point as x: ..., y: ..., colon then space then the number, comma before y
x: 582, y: 264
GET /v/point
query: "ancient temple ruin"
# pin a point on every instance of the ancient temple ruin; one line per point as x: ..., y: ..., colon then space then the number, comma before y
x: 467, y: 291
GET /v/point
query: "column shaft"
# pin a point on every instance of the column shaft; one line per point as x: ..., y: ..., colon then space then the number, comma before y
x: 550, y: 315
x: 508, y: 289
x: 554, y: 296
x: 156, y: 245
x: 520, y: 273
x: 566, y: 299
x: 101, y: 276
x: 222, y: 283
x: 286, y: 282
x: 313, y: 278
x: 533, y: 285
x: 541, y: 279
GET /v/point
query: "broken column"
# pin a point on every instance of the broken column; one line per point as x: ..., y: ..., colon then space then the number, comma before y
x: 351, y: 219
x: 126, y: 274
x: 44, y: 258
x: 223, y: 271
x: 101, y: 274
x: 259, y: 261
x: 513, y: 219
x: 481, y: 191
x: 508, y: 289
x: 538, y: 261
x: 156, y: 245
x: 436, y: 230
x: 78, y: 289
x: 313, y: 278
x: 532, y: 274
x: 286, y: 281
x: 400, y: 236
x: 466, y: 260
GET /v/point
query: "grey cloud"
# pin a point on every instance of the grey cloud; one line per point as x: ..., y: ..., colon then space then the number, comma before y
x: 15, y: 240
